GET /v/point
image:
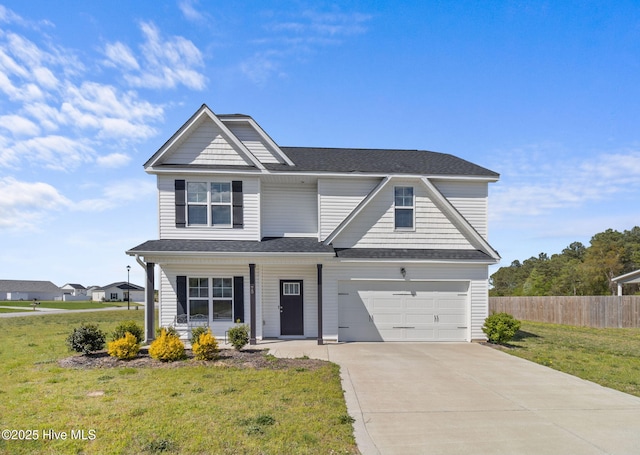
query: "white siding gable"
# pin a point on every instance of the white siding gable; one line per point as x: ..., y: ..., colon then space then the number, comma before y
x: 337, y: 198
x: 374, y: 227
x: 468, y: 198
x: 207, y: 145
x: 254, y: 141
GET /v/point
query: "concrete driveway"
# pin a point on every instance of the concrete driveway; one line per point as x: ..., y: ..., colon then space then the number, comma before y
x: 462, y: 398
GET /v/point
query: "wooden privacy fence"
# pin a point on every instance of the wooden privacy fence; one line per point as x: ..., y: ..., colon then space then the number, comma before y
x: 589, y: 311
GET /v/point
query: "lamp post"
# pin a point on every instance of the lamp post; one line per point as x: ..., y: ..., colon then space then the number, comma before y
x: 128, y: 288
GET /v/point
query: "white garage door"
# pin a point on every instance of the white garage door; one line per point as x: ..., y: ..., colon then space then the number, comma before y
x: 402, y: 311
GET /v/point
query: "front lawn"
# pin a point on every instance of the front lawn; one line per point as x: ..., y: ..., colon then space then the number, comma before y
x: 193, y: 409
x: 58, y: 304
x: 609, y: 357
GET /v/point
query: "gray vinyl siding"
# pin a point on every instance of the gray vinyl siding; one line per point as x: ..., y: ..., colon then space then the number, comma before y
x: 289, y: 209
x: 251, y: 210
x: 206, y: 145
x: 374, y: 227
x: 253, y: 141
x: 469, y: 198
x: 337, y: 198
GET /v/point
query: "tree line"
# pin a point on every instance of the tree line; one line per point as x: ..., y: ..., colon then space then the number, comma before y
x: 577, y: 270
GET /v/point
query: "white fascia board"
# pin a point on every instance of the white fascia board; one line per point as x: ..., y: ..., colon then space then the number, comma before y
x: 264, y: 136
x: 186, y: 129
x: 627, y: 277
x: 458, y: 219
x: 214, y: 254
x: 420, y: 261
x: 355, y: 212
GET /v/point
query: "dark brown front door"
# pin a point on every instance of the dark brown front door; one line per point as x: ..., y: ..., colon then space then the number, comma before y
x: 291, y: 317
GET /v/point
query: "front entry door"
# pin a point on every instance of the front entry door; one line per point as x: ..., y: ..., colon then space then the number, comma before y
x: 291, y: 317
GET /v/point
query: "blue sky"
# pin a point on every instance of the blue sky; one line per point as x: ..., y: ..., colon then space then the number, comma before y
x: 545, y: 93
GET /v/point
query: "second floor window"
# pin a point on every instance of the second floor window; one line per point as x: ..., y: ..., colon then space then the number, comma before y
x: 404, y: 207
x: 209, y: 204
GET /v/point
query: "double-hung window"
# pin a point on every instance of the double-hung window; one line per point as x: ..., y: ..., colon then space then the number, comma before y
x: 199, y: 297
x: 404, y: 207
x: 223, y: 299
x: 211, y: 295
x: 197, y: 203
x: 221, y: 204
x: 209, y: 204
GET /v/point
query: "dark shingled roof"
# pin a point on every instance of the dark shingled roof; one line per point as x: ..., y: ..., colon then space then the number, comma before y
x: 378, y: 161
x: 267, y: 245
x: 301, y: 245
x: 407, y: 253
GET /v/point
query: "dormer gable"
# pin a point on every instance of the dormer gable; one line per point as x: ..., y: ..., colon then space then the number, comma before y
x: 204, y: 140
x: 255, y: 139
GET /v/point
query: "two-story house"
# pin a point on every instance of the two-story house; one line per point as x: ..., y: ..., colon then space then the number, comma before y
x: 333, y: 244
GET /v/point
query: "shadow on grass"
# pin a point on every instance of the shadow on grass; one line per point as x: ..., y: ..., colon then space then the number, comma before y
x: 522, y: 335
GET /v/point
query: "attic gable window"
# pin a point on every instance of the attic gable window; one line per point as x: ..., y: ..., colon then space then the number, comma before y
x: 404, y: 207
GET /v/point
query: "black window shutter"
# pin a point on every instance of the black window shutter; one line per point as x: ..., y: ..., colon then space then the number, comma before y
x: 238, y: 216
x: 181, y: 294
x: 180, y: 190
x: 238, y: 298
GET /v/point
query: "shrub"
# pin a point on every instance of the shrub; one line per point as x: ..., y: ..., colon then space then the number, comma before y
x: 167, y: 347
x: 169, y: 330
x: 196, y: 332
x: 239, y: 336
x: 500, y: 327
x: 87, y: 338
x: 124, y: 348
x: 206, y: 347
x: 128, y: 326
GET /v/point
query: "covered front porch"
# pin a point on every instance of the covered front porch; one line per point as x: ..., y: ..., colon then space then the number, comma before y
x: 278, y: 294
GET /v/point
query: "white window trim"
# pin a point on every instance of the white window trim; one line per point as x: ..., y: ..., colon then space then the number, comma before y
x: 210, y: 298
x: 209, y: 204
x: 405, y: 207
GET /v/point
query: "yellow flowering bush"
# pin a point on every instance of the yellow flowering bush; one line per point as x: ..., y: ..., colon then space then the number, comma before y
x: 124, y: 348
x: 206, y: 347
x: 167, y: 347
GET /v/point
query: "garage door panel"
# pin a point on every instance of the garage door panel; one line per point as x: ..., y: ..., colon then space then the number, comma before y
x: 403, y: 311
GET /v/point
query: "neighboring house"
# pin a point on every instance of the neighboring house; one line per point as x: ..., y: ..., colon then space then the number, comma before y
x: 73, y: 289
x: 29, y: 290
x: 627, y: 278
x: 333, y: 244
x: 118, y: 292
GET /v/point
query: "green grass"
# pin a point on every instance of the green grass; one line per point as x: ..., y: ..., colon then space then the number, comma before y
x: 9, y: 310
x: 609, y: 357
x: 79, y: 305
x: 187, y: 410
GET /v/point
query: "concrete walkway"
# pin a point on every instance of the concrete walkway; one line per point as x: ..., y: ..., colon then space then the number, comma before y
x: 462, y: 398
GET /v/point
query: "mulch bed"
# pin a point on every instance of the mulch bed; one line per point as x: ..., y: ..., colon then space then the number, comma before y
x: 247, y: 358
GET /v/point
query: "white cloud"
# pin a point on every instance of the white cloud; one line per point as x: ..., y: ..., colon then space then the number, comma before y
x: 119, y: 54
x: 24, y: 205
x: 163, y: 63
x: 187, y: 8
x: 113, y: 160
x: 294, y: 35
x: 116, y: 194
x: 534, y: 186
x: 55, y: 152
x: 19, y: 125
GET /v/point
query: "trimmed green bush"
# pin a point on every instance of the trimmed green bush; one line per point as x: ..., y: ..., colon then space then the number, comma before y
x: 87, y: 338
x: 500, y: 327
x: 167, y: 347
x: 239, y: 336
x: 205, y: 347
x: 124, y: 348
x: 128, y: 326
